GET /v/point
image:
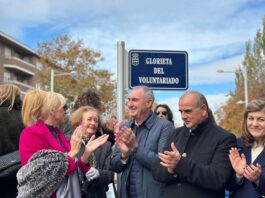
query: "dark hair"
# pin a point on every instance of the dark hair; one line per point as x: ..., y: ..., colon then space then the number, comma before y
x: 88, y: 97
x: 169, y: 112
x: 257, y: 105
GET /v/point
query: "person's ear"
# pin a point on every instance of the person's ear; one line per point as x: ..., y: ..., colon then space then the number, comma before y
x: 149, y: 103
x: 204, y: 109
x: 52, y: 112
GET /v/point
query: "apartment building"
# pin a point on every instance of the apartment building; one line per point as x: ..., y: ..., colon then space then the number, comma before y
x: 18, y: 63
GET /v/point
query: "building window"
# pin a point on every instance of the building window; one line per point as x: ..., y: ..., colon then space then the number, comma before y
x: 8, y: 52
x: 7, y: 76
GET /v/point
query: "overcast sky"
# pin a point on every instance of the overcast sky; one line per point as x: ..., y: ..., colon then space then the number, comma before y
x: 213, y: 32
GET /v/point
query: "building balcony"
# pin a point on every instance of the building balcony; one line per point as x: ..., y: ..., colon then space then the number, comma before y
x: 19, y: 65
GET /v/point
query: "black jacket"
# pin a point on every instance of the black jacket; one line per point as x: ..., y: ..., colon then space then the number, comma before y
x: 206, y: 169
x: 97, y: 188
x: 10, y: 128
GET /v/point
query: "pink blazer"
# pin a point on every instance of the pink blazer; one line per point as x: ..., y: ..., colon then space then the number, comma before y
x: 38, y: 137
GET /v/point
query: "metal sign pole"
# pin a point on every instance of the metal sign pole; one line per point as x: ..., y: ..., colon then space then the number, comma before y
x: 120, y: 81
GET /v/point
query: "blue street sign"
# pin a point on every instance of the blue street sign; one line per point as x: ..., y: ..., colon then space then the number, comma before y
x: 156, y: 69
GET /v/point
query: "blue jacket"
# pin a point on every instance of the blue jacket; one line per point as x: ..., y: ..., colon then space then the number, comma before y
x: 246, y: 188
x: 156, y: 132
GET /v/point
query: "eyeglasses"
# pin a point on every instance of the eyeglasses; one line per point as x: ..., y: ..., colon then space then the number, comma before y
x: 161, y: 112
x: 65, y: 107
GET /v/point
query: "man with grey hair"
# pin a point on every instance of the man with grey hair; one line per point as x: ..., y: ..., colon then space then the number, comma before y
x: 195, y: 162
x: 138, y: 142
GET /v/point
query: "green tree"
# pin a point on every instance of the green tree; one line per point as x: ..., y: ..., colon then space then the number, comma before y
x: 254, y: 63
x: 65, y: 55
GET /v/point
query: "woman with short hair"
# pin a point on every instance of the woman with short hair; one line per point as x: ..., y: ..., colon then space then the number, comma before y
x: 95, y: 186
x: 44, y: 147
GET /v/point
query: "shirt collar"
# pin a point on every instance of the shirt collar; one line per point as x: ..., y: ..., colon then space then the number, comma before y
x: 148, y: 121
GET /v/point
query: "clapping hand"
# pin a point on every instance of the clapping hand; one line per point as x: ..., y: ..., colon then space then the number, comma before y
x: 75, y: 141
x: 238, y: 161
x: 239, y: 164
x: 126, y: 141
x: 92, y: 145
x: 170, y: 159
x: 252, y: 173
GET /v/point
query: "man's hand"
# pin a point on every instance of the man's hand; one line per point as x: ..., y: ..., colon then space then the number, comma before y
x: 170, y: 159
x: 121, y: 142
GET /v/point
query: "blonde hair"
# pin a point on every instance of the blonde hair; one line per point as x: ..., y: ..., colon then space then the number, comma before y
x: 31, y: 106
x: 52, y: 101
x: 77, y: 115
x: 8, y: 94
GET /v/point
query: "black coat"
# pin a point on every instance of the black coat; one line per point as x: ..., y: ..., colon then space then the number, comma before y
x: 97, y: 188
x: 10, y: 128
x: 205, y: 170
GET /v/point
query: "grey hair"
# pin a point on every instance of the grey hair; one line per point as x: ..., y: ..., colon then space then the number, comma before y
x: 148, y: 93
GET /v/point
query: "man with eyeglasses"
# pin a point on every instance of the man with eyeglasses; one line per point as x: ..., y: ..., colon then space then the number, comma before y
x: 196, y: 162
x: 138, y: 142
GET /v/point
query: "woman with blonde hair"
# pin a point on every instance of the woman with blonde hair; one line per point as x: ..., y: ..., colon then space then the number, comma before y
x: 32, y: 104
x: 10, y: 128
x: 94, y: 185
x: 10, y: 118
x: 9, y: 95
x: 48, y: 158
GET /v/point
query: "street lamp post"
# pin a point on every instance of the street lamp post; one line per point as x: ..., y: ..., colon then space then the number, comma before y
x: 245, y: 77
x: 53, y: 75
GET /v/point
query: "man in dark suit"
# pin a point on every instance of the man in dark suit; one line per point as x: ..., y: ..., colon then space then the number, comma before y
x: 196, y: 162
